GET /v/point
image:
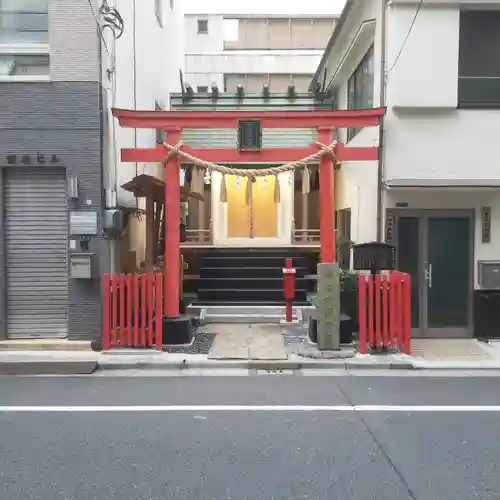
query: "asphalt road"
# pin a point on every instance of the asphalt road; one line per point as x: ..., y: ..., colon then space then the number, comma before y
x: 64, y: 438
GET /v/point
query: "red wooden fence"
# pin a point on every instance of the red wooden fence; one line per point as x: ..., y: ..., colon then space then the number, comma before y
x: 384, y: 312
x: 132, y: 314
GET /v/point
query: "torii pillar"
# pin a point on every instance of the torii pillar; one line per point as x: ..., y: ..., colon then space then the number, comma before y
x: 326, y: 199
x: 328, y: 269
x: 177, y: 327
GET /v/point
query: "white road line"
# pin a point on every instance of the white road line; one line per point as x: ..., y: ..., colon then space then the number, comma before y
x: 249, y: 408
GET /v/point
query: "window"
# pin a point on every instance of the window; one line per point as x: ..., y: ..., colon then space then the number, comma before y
x: 479, y: 59
x: 249, y: 135
x: 311, y: 33
x: 230, y: 29
x: 279, y: 33
x: 159, y: 11
x: 202, y: 27
x: 360, y: 88
x: 24, y: 65
x: 24, y: 21
x: 202, y: 89
x: 24, y: 40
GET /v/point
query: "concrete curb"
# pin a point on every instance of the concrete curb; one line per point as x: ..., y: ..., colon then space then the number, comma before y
x: 271, y: 365
x: 456, y: 367
x: 87, y: 367
x: 48, y: 367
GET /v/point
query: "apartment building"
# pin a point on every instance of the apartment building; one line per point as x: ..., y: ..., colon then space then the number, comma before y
x: 52, y: 247
x: 254, y: 50
x: 63, y: 65
x: 435, y: 191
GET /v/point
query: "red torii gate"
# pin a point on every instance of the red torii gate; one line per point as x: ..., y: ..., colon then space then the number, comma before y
x: 173, y: 122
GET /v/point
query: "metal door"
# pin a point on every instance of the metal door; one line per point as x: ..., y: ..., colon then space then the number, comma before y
x: 36, y: 248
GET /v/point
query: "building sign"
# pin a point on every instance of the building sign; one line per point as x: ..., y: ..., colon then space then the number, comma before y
x: 38, y: 159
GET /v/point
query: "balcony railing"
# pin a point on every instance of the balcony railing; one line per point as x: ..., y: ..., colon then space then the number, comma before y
x: 305, y: 237
x: 198, y: 237
x: 479, y: 91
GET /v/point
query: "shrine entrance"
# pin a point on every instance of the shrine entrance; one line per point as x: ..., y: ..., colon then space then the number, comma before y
x: 265, y: 208
x: 254, y: 220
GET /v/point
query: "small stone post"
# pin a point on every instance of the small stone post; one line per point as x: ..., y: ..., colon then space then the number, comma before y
x: 328, y: 306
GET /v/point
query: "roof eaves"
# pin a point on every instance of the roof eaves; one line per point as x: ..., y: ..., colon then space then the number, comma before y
x: 331, y: 42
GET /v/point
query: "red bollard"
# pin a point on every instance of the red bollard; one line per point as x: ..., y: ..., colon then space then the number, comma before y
x: 289, y: 288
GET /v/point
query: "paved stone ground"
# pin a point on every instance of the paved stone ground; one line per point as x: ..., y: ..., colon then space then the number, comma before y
x: 243, y: 341
x: 469, y: 350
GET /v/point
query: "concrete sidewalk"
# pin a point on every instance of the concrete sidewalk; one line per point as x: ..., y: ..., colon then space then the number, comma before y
x: 41, y: 362
x: 87, y: 362
x: 254, y: 347
x: 432, y: 354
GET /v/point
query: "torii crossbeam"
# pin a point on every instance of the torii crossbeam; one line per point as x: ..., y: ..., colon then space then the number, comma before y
x: 173, y: 122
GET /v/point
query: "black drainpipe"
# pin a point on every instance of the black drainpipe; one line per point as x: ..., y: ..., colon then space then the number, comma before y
x: 380, y: 170
x: 101, y: 119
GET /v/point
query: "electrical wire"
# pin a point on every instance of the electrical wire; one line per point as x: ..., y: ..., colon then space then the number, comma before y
x: 113, y: 20
x: 419, y: 6
x: 101, y: 36
x: 134, y: 56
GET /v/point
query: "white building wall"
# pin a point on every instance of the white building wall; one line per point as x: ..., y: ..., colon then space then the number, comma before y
x: 265, y: 7
x: 147, y: 60
x: 202, y: 50
x: 211, y: 42
x: 153, y: 68
x: 357, y: 181
x: 428, y: 141
x: 206, y: 61
x: 460, y: 199
x: 254, y: 61
x: 432, y: 82
x: 422, y: 114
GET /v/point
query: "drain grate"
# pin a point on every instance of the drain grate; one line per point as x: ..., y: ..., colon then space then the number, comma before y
x: 274, y: 372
